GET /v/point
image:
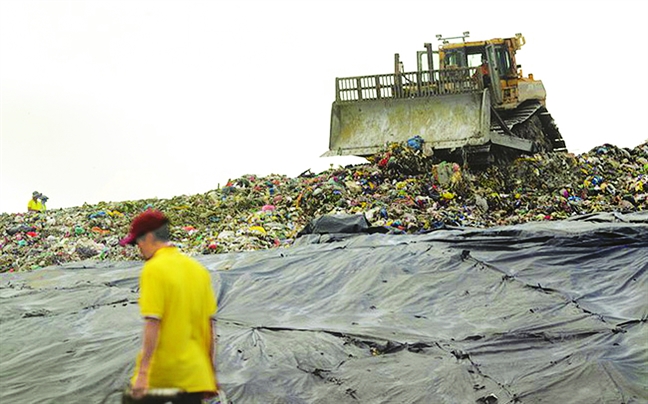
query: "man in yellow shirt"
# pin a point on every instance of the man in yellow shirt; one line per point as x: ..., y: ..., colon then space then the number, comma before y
x: 177, y: 303
x: 34, y: 205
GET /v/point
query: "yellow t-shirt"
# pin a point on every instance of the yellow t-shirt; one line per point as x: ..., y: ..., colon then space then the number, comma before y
x: 35, y: 205
x: 177, y: 290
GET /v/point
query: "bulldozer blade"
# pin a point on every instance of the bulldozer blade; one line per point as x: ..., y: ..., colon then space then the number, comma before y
x: 444, y: 122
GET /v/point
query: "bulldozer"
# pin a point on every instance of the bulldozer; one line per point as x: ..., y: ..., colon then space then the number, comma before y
x: 467, y: 101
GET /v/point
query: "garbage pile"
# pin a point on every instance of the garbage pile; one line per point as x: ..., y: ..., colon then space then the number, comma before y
x: 398, y: 188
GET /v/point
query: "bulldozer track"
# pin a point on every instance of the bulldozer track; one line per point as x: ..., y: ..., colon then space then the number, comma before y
x: 532, y: 121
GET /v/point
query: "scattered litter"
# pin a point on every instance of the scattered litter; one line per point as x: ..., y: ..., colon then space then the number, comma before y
x: 398, y: 188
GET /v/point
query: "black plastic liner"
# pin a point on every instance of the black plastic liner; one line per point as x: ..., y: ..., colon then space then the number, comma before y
x: 550, y: 312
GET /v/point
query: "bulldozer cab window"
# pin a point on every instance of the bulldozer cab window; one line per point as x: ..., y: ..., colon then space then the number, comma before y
x: 474, y: 60
x: 504, y: 61
x: 456, y: 58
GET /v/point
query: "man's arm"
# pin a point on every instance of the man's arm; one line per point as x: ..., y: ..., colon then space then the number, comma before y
x: 149, y: 343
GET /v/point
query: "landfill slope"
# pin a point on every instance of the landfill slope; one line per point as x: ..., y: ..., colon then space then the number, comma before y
x: 398, y: 189
x: 551, y: 311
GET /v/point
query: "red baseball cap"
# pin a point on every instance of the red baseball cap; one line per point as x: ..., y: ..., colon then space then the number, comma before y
x: 145, y: 222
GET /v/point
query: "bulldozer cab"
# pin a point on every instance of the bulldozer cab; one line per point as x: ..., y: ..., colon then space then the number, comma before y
x: 497, y: 55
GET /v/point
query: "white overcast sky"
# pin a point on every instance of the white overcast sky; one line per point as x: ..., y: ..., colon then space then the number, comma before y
x: 117, y: 100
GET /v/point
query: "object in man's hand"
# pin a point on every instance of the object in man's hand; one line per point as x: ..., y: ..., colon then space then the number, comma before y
x: 152, y: 395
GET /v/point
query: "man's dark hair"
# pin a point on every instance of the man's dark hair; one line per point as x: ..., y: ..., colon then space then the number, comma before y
x: 162, y: 234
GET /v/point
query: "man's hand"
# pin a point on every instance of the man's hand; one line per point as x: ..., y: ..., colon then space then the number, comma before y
x: 138, y: 390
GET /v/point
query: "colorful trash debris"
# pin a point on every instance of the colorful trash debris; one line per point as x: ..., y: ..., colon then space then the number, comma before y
x: 399, y: 188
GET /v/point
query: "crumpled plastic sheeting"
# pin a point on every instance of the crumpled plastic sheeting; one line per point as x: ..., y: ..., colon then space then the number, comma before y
x: 403, y: 192
x: 540, y: 312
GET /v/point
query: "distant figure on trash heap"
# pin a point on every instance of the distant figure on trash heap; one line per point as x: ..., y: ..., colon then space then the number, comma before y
x: 43, y: 200
x: 34, y: 205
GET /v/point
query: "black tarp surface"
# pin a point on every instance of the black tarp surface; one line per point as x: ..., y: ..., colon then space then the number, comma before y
x: 549, y: 312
